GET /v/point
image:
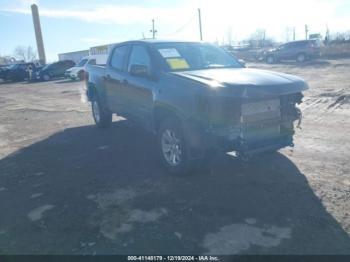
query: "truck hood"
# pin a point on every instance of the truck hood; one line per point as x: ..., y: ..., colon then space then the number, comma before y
x: 246, y: 82
x: 74, y: 69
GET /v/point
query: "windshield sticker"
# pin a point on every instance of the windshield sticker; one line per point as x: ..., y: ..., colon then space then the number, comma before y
x: 169, y: 52
x: 177, y: 63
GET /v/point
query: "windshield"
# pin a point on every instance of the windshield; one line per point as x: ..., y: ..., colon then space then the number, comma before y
x: 194, y: 56
x: 82, y: 62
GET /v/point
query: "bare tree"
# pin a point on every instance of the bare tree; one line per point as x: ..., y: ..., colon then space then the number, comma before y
x: 4, y: 60
x: 229, y: 36
x: 26, y: 54
x: 289, y: 31
x: 258, y: 38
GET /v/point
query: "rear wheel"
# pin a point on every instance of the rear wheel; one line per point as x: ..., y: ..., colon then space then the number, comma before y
x: 172, y: 147
x: 101, y: 115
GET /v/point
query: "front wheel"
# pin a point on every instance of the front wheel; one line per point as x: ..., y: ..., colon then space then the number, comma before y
x: 172, y: 147
x: 101, y: 115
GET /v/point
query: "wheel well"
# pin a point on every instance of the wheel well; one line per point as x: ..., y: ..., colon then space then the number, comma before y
x: 161, y: 113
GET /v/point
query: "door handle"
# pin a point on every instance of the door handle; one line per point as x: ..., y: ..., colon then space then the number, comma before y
x: 125, y: 81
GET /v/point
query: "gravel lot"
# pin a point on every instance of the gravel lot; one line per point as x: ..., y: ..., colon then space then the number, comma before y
x: 67, y: 187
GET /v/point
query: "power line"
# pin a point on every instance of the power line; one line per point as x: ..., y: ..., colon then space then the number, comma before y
x: 182, y: 27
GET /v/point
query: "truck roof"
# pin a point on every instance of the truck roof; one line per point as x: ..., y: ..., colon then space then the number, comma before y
x: 152, y: 41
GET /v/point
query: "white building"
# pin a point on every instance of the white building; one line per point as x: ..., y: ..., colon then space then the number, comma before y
x: 74, y: 56
x: 101, y: 51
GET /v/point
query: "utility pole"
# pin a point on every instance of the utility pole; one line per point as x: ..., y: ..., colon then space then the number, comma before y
x: 327, y: 38
x: 200, y: 24
x: 153, y: 31
x: 294, y: 33
x: 38, y: 34
x: 306, y: 31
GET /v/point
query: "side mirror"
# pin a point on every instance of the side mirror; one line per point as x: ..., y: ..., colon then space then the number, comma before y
x: 242, y: 62
x: 139, y: 70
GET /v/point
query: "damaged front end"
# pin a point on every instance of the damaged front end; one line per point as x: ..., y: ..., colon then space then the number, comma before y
x: 251, y: 125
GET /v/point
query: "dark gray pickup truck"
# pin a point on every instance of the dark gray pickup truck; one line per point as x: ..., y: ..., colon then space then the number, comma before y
x: 195, y: 97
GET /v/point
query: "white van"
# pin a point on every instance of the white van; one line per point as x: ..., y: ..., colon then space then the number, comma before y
x: 78, y: 71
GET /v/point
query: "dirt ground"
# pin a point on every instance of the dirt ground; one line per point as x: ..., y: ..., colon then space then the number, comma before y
x: 67, y: 187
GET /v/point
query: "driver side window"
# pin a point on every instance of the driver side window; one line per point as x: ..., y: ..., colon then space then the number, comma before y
x: 139, y: 56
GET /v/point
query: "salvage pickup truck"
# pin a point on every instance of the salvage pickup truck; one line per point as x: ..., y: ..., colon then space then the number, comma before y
x: 195, y: 97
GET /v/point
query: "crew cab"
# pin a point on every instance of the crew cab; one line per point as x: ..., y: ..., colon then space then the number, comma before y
x: 195, y: 97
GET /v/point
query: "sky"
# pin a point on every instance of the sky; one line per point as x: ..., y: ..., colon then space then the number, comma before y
x: 72, y: 25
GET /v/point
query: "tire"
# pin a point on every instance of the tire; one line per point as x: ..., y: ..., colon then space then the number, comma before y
x: 46, y: 77
x: 301, y: 58
x: 102, y: 115
x: 270, y: 59
x: 172, y: 147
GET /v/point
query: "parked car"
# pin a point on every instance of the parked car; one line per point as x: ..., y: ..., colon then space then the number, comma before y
x: 195, y: 97
x: 54, y: 70
x: 78, y: 71
x: 16, y: 72
x: 296, y: 50
x: 2, y: 69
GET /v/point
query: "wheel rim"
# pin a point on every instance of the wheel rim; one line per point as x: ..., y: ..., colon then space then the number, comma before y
x: 171, y: 147
x: 96, y: 111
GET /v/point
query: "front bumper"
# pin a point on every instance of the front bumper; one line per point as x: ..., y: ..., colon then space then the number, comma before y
x: 235, y: 139
x: 71, y: 75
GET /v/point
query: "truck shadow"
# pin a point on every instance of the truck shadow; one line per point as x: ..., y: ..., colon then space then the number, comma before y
x: 107, y: 188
